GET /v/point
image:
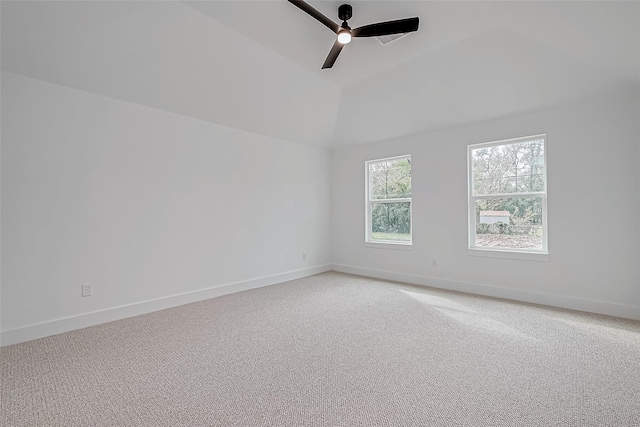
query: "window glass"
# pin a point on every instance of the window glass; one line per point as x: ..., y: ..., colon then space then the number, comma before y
x: 508, y: 194
x: 389, y: 200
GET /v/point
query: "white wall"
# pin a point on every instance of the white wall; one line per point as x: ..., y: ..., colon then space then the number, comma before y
x: 593, y: 173
x: 143, y: 204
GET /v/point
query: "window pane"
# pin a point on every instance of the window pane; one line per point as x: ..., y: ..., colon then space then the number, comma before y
x: 390, y: 179
x: 391, y: 221
x: 509, y: 168
x: 513, y: 223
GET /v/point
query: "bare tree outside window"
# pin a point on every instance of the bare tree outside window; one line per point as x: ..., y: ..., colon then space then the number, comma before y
x: 507, y: 195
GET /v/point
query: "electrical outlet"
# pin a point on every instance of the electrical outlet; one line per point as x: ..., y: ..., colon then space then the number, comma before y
x: 434, y: 264
x: 86, y: 290
x: 304, y: 257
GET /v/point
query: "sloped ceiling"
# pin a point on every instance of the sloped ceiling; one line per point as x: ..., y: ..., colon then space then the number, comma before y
x: 255, y: 65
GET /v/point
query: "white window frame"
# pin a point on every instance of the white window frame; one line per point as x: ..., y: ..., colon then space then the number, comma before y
x: 532, y: 254
x: 369, y: 241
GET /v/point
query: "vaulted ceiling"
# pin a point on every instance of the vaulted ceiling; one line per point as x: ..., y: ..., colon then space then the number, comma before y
x: 255, y: 65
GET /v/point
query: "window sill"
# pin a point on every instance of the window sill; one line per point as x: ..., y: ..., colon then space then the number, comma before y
x: 497, y: 253
x: 408, y: 246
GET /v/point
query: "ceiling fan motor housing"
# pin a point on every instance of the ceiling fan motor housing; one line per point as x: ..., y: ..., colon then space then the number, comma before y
x: 344, y: 12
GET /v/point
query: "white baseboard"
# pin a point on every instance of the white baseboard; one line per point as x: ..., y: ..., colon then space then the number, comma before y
x: 561, y: 301
x: 57, y: 326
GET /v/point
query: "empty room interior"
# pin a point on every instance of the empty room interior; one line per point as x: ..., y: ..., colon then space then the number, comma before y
x: 286, y: 213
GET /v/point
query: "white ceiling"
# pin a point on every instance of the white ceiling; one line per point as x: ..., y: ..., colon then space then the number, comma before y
x: 255, y: 65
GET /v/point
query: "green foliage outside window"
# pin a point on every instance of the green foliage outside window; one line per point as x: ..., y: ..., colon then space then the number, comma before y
x: 390, y: 180
x: 391, y: 218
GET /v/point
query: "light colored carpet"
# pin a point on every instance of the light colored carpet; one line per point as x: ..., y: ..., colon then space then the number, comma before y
x: 332, y: 350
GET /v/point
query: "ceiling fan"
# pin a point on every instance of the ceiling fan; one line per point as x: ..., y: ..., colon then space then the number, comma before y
x: 345, y: 33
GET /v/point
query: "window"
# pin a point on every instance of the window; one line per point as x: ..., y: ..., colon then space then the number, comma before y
x: 508, y: 195
x: 388, y: 196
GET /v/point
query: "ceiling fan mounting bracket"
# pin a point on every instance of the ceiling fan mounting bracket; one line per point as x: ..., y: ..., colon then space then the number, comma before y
x: 345, y: 12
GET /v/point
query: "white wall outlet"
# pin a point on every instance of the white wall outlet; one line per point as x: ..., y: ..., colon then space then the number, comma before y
x: 434, y: 264
x: 304, y: 257
x: 86, y: 290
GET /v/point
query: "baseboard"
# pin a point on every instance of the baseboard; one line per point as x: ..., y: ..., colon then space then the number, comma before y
x: 57, y: 326
x: 560, y: 301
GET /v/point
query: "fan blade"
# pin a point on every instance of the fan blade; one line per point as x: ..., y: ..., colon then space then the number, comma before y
x: 386, y: 28
x: 333, y: 55
x: 314, y: 13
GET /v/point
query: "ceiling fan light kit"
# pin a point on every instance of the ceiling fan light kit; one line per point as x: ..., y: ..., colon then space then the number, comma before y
x: 344, y: 36
x: 344, y: 33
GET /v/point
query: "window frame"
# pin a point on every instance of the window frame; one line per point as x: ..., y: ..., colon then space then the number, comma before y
x: 517, y: 253
x: 369, y: 241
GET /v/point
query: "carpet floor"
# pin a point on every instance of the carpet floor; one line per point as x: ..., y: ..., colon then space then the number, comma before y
x: 332, y: 350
